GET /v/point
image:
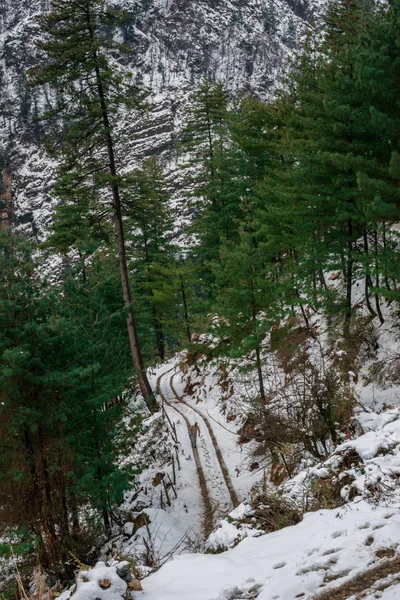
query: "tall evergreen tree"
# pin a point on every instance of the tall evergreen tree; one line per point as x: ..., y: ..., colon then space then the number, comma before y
x: 63, y: 358
x: 90, y: 93
x: 151, y: 228
x: 204, y: 141
x: 328, y: 123
x: 162, y: 276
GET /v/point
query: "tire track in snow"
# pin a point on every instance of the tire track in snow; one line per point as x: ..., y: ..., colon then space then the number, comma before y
x: 218, y: 453
x: 218, y: 491
x: 205, y: 496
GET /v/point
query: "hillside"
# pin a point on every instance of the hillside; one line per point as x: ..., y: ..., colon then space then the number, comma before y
x: 338, y: 525
x: 172, y: 46
x: 199, y: 300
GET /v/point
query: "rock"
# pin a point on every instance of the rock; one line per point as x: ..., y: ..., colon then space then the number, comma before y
x: 135, y: 585
x: 141, y: 521
x: 235, y: 44
x: 124, y: 571
x: 128, y: 528
x: 100, y: 582
x: 158, y: 479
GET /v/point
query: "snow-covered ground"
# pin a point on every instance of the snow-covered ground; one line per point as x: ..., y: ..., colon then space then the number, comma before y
x: 329, y: 547
x: 326, y: 548
x: 350, y: 535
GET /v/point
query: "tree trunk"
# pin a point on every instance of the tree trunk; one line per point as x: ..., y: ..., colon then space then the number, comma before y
x: 386, y: 277
x: 74, y: 514
x: 137, y: 360
x: 185, y: 309
x: 377, y: 283
x: 258, y: 353
x: 260, y: 377
x: 158, y: 328
x: 322, y: 279
x: 367, y: 276
x: 349, y: 277
x: 159, y: 331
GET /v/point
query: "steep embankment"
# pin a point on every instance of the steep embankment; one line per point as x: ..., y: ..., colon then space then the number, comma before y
x: 351, y: 551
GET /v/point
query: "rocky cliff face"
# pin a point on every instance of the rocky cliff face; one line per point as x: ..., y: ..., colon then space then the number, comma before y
x: 174, y: 43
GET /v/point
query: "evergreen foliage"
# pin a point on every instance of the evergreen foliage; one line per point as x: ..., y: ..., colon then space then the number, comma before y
x: 288, y: 193
x: 63, y: 359
x: 304, y: 185
x: 90, y: 93
x: 205, y: 138
x: 158, y: 273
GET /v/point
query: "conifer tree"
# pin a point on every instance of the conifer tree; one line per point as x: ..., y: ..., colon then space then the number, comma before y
x: 204, y: 139
x: 248, y: 292
x: 329, y: 128
x: 377, y: 67
x: 162, y: 275
x: 63, y: 359
x: 90, y: 92
x: 246, y: 299
x: 151, y: 228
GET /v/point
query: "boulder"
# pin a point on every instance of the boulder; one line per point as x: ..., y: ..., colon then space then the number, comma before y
x: 135, y: 585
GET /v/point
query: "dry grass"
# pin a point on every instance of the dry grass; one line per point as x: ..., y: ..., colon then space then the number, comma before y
x: 41, y: 589
x: 272, y: 512
x: 360, y: 585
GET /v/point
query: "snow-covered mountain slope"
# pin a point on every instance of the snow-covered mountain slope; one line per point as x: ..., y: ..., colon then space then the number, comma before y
x: 350, y: 551
x: 174, y: 43
x: 327, y: 548
x: 346, y: 542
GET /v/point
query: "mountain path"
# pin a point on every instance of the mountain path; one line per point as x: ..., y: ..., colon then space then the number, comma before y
x: 208, y: 524
x: 218, y: 453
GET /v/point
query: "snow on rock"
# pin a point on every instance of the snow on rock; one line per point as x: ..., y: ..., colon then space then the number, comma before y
x: 100, y: 583
x: 173, y: 45
x: 225, y: 536
x: 230, y: 531
x: 128, y: 528
x: 369, y: 444
x: 392, y: 593
x: 368, y: 466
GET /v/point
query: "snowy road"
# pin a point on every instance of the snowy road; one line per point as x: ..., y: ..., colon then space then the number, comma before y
x: 216, y: 487
x: 218, y: 453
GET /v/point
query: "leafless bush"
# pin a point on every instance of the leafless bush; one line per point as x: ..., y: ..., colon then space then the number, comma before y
x: 273, y: 512
x: 309, y: 402
x: 38, y: 588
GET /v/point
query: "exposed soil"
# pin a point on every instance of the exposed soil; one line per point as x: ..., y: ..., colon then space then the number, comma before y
x: 369, y: 581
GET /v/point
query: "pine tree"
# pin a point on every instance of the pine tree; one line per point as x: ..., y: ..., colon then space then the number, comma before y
x: 162, y: 274
x: 204, y: 139
x: 248, y: 290
x: 63, y: 359
x: 377, y: 68
x: 328, y: 124
x: 90, y: 93
x: 247, y: 298
x: 97, y: 340
x: 150, y: 247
